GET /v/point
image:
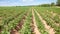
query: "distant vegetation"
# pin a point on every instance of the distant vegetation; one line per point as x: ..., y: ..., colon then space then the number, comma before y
x: 58, y: 3
x: 47, y: 5
x: 50, y: 5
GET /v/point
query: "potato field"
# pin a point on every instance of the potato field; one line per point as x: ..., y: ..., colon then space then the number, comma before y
x: 29, y: 20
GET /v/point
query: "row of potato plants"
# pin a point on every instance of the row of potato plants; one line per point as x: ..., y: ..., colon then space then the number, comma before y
x: 50, y: 22
x: 12, y: 24
x: 26, y: 28
x: 40, y: 25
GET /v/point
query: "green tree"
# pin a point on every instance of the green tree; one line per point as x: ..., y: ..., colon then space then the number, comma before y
x: 52, y: 4
x: 58, y: 2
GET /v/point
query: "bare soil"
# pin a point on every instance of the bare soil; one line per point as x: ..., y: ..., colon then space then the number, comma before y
x: 34, y: 25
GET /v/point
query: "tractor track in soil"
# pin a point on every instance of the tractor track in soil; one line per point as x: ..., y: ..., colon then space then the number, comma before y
x: 19, y: 25
x: 49, y: 29
x: 33, y: 25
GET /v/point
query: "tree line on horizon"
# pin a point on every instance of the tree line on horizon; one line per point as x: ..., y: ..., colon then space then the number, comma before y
x: 52, y: 4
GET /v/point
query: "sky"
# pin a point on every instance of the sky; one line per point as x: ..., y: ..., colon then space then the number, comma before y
x: 24, y: 2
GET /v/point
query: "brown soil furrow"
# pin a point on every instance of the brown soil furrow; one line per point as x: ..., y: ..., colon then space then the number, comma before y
x: 48, y: 28
x: 34, y: 26
x: 19, y: 25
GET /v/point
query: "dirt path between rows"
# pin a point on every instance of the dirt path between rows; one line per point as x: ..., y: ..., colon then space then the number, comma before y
x: 19, y: 25
x: 48, y: 28
x: 36, y: 31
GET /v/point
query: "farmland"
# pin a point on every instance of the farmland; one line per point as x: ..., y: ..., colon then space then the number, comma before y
x: 29, y: 20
